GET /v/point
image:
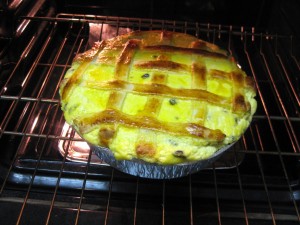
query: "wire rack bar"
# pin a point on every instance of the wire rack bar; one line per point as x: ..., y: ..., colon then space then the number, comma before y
x: 279, y: 98
x: 45, y: 121
x: 152, y: 24
x: 291, y: 85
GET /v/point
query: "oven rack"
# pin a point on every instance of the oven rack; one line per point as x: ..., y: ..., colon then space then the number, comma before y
x: 264, y: 187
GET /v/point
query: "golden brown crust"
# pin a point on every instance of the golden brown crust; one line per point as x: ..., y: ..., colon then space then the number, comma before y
x: 105, y: 135
x: 154, y: 56
x: 162, y: 64
x: 111, y: 116
x: 162, y: 90
x: 199, y: 74
x: 250, y: 84
x: 239, y: 104
x: 174, y: 49
x: 90, y: 54
x: 158, y: 78
x: 125, y: 58
x: 145, y: 149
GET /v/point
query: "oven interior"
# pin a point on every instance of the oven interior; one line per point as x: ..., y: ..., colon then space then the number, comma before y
x: 48, y: 175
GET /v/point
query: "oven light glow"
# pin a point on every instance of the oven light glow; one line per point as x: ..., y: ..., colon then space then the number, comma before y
x: 80, y: 145
x: 106, y: 31
x: 76, y: 149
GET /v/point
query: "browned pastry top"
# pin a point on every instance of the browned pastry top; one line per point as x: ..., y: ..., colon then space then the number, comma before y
x: 157, y: 71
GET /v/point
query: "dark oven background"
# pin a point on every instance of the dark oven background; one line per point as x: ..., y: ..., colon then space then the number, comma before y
x: 49, y: 176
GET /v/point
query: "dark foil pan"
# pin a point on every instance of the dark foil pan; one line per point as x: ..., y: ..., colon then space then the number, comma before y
x: 144, y: 169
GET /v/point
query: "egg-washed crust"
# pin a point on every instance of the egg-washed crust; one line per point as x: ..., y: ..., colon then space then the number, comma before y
x: 121, y: 53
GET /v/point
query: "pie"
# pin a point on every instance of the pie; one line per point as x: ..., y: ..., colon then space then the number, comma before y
x: 158, y: 96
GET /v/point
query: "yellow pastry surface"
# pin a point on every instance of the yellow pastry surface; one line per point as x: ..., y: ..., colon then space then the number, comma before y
x: 159, y: 96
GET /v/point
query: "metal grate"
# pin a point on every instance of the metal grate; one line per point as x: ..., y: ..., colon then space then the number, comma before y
x: 45, y: 179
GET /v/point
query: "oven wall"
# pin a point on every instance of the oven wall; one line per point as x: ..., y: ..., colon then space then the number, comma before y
x: 226, y: 12
x: 284, y: 17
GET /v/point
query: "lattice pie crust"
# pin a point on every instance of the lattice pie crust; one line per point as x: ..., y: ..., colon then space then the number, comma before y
x: 159, y: 96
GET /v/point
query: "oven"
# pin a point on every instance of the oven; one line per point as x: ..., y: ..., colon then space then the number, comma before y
x: 48, y: 175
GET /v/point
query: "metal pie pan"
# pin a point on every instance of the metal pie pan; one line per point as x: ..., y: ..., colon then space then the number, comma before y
x: 144, y: 169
